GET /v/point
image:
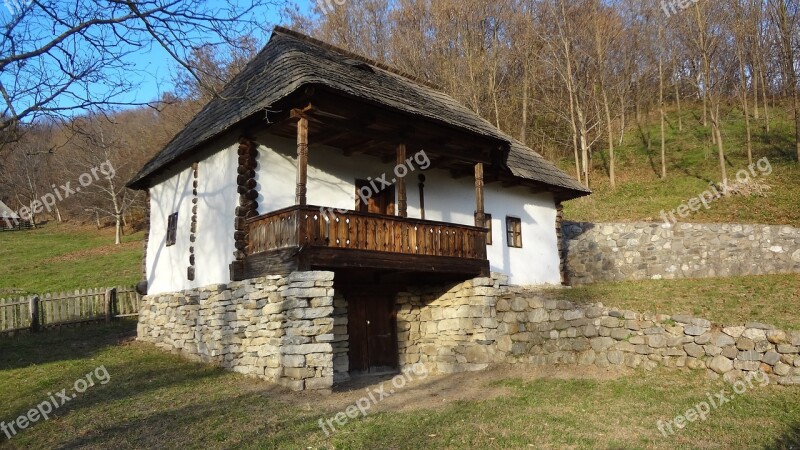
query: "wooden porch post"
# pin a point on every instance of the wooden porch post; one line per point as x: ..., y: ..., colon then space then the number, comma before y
x: 302, y: 162
x: 480, y: 214
x: 402, y: 195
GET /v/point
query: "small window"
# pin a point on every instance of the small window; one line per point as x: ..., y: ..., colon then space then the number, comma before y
x: 487, y: 223
x: 514, y: 232
x: 172, y: 229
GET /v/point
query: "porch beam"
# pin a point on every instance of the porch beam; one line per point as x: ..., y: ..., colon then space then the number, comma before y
x: 480, y: 213
x: 402, y: 195
x: 301, y: 195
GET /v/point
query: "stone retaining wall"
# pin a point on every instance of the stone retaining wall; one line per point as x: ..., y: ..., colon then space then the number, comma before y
x: 281, y: 329
x: 293, y: 331
x: 484, y: 321
x: 637, y: 251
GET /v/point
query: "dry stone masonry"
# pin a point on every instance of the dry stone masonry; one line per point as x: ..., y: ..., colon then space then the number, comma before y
x: 292, y: 330
x: 276, y: 328
x: 484, y: 321
x: 638, y: 251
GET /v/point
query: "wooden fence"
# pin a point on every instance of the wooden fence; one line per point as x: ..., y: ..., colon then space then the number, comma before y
x: 5, y: 226
x: 50, y: 310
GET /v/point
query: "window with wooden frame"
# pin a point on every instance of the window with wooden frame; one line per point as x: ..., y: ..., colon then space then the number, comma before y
x: 487, y: 223
x: 172, y: 229
x: 514, y: 232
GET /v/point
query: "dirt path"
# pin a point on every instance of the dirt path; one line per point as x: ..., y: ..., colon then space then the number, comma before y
x: 434, y: 391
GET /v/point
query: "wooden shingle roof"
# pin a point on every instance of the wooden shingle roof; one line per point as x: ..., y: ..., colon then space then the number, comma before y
x: 291, y: 61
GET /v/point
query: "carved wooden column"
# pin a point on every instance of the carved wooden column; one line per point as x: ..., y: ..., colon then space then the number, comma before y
x: 402, y: 195
x: 301, y: 197
x: 422, y: 196
x: 480, y: 213
x: 248, y: 195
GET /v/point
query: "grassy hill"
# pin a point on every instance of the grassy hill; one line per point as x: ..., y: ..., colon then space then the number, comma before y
x: 691, y: 165
x: 59, y: 258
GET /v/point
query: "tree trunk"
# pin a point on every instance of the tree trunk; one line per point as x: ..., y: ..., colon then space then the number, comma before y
x: 764, y: 101
x: 796, y: 122
x: 663, y: 113
x: 611, y: 159
x: 715, y: 124
x: 678, y: 102
x: 623, y: 120
x: 745, y: 101
x: 584, y: 134
x: 756, y: 114
x: 118, y: 229
x: 524, y: 128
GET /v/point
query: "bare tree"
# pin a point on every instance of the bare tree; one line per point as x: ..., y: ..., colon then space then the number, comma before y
x: 53, y: 52
x: 786, y: 18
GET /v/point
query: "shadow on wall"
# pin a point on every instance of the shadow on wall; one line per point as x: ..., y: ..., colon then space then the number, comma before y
x: 571, y: 231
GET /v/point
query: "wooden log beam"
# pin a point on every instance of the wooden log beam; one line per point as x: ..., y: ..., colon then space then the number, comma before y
x: 402, y: 195
x: 301, y: 195
x: 480, y: 213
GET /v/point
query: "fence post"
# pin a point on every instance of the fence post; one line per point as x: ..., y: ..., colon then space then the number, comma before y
x: 111, y: 302
x: 34, y: 313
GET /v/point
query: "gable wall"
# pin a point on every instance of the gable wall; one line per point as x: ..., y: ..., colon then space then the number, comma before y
x: 214, y: 244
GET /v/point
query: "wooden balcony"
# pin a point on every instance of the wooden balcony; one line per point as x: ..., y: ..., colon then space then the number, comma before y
x: 314, y: 238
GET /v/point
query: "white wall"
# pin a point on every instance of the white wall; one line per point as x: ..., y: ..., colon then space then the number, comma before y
x: 214, y: 247
x: 331, y: 183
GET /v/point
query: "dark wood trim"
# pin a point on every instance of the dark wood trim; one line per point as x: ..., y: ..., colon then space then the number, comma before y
x: 191, y: 271
x: 480, y: 217
x: 301, y: 196
x: 402, y: 195
x: 422, y: 196
x: 287, y: 260
x: 248, y: 194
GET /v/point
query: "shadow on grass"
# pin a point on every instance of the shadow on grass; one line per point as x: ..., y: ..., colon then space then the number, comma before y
x: 788, y: 441
x: 209, y: 423
x: 63, y: 344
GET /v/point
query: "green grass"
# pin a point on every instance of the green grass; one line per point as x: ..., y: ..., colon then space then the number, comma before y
x: 773, y: 299
x: 691, y: 165
x: 157, y: 400
x: 63, y: 258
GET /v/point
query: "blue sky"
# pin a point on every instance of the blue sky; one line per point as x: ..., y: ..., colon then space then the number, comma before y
x: 154, y: 70
x: 151, y: 70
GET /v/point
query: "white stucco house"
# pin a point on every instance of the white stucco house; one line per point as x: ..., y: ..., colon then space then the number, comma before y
x: 316, y: 159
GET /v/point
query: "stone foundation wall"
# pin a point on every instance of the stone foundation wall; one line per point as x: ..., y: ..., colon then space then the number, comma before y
x: 637, y: 251
x: 451, y: 329
x: 281, y: 329
x: 293, y: 331
x: 483, y: 321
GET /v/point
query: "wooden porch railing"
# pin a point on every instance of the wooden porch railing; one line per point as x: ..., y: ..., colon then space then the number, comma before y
x: 311, y: 226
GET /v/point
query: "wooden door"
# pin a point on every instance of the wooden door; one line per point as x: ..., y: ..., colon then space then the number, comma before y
x: 372, y: 327
x: 378, y: 203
